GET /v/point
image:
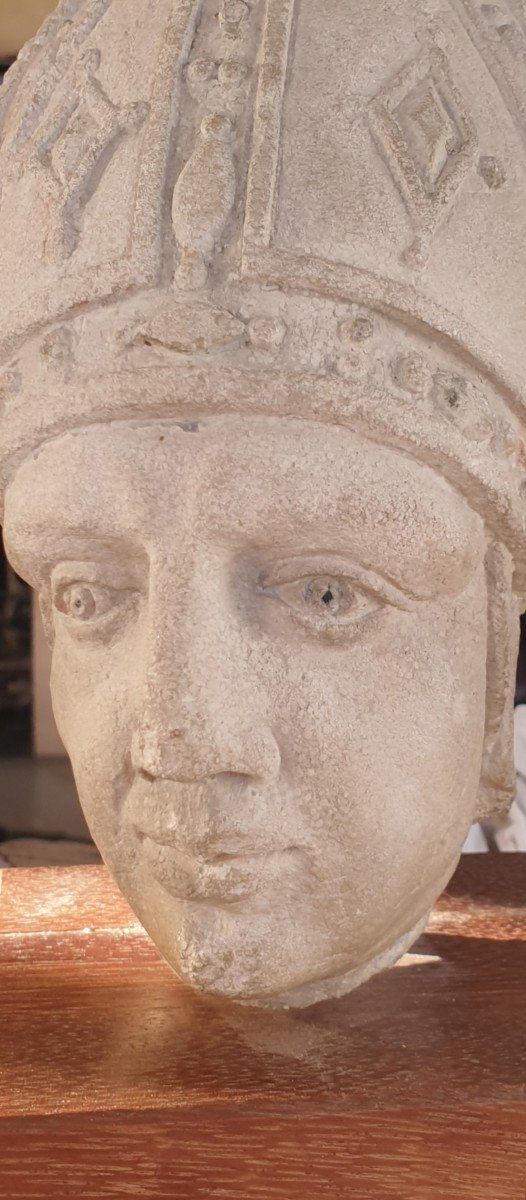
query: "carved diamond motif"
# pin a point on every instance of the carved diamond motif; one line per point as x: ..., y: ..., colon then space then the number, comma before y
x: 430, y: 133
x: 427, y: 139
x: 63, y: 123
x: 81, y: 135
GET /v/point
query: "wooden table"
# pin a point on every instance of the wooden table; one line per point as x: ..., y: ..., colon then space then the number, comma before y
x: 117, y: 1081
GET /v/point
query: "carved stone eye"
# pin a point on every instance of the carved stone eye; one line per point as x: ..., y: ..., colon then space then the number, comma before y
x: 328, y: 597
x: 326, y: 601
x: 83, y: 601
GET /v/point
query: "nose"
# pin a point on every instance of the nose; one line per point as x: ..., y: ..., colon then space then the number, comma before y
x: 202, y: 711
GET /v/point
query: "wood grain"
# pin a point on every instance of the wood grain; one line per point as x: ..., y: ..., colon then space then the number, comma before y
x: 117, y: 1080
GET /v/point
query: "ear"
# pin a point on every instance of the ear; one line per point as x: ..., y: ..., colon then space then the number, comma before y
x: 497, y: 783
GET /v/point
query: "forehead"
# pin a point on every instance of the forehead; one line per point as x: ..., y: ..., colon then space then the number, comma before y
x: 238, y: 477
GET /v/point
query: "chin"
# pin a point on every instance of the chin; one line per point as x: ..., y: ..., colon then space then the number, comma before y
x: 312, y: 991
x: 253, y: 954
x: 232, y: 960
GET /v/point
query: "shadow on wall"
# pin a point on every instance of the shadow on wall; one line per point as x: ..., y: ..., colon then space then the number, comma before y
x: 15, y: 663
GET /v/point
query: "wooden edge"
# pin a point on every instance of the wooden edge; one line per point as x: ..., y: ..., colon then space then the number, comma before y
x: 82, y: 907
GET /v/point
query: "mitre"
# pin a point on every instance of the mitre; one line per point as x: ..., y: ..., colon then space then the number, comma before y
x: 268, y: 196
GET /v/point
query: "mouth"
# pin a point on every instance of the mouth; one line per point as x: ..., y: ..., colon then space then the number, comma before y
x: 217, y: 876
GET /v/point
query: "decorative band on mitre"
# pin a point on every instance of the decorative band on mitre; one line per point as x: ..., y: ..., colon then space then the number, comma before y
x: 329, y: 363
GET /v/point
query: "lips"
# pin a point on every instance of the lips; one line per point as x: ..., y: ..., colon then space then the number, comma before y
x: 219, y: 841
x: 211, y: 847
x: 220, y: 876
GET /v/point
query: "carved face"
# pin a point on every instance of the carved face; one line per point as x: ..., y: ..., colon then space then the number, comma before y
x: 269, y: 672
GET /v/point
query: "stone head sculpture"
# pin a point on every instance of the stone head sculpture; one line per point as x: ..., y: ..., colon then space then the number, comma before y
x: 262, y: 419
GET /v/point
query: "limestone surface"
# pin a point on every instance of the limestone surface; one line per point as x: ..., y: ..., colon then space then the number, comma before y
x: 262, y: 454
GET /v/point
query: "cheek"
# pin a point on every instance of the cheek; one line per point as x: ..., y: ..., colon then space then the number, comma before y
x: 384, y: 739
x: 93, y: 693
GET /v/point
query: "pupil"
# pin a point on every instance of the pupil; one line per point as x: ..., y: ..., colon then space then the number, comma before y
x: 328, y: 597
